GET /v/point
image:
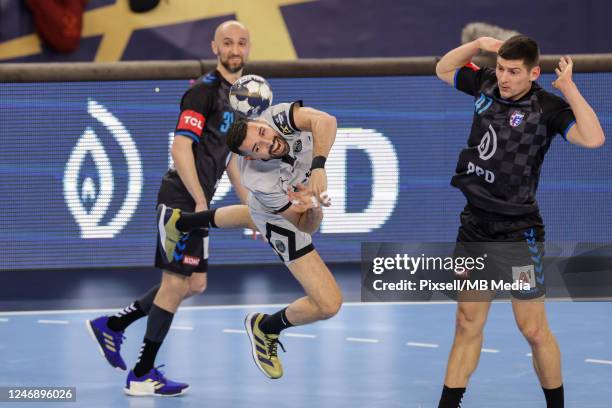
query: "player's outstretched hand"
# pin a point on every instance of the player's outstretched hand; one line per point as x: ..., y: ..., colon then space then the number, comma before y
x: 489, y: 44
x: 564, y: 72
x: 302, y: 199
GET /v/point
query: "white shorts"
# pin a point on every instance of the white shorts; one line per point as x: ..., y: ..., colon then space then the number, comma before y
x: 286, y: 240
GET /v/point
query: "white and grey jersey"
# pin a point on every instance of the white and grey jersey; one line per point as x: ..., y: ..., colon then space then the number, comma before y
x: 268, y: 181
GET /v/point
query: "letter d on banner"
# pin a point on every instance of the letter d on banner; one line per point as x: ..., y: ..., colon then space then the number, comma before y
x: 385, y: 182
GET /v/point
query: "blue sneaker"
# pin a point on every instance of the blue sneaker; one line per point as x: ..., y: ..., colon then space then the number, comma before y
x: 153, y: 383
x: 109, y: 341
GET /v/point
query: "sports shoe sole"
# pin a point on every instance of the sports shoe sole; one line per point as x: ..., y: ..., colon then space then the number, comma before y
x: 247, y: 326
x: 95, y: 339
x: 131, y: 393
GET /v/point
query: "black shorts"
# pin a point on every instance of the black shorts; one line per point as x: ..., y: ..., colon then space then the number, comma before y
x: 514, y: 248
x: 191, y: 255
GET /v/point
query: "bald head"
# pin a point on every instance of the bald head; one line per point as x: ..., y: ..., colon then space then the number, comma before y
x: 228, y: 27
x: 231, y: 45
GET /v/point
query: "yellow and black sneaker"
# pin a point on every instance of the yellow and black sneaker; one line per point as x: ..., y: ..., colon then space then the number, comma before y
x: 264, y: 346
x: 169, y: 235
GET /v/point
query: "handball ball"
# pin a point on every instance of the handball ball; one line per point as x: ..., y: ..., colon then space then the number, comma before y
x: 250, y: 95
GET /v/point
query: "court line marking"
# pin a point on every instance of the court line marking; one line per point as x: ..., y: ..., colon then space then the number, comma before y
x: 426, y: 345
x: 4, y: 320
x: 302, y: 335
x: 181, y: 327
x: 596, y: 361
x: 238, y: 331
x: 362, y: 340
x: 253, y: 306
x: 488, y: 350
x: 42, y: 321
x: 528, y: 355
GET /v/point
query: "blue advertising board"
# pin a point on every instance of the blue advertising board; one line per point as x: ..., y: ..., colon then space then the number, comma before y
x: 81, y: 163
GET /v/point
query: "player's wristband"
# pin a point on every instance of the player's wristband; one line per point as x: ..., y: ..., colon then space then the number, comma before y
x: 318, y: 162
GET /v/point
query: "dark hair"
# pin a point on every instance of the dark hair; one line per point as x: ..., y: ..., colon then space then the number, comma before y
x: 520, y: 47
x: 236, y: 134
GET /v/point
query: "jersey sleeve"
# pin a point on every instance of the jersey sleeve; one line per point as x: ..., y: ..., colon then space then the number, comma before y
x: 560, y: 116
x: 196, y: 106
x: 470, y: 78
x: 281, y: 116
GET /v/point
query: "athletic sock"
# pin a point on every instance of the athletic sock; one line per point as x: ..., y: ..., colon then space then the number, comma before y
x: 146, y: 301
x: 451, y: 397
x: 120, y: 321
x: 158, y: 325
x: 554, y: 397
x: 190, y: 220
x: 275, y: 323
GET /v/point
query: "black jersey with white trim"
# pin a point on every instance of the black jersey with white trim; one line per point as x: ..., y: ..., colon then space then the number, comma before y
x: 499, y: 170
x: 205, y: 117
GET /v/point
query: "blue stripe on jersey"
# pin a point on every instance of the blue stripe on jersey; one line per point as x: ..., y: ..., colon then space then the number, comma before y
x: 567, y: 129
x: 188, y: 134
x: 209, y: 78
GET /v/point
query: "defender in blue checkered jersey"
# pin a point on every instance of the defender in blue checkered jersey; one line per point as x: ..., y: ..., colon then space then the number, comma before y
x: 514, y: 123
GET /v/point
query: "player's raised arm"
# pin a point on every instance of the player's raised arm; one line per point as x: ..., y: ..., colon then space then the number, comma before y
x: 323, y: 127
x: 587, y: 131
x: 460, y: 56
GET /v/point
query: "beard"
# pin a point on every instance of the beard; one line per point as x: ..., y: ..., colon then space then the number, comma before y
x: 284, y: 148
x: 232, y: 69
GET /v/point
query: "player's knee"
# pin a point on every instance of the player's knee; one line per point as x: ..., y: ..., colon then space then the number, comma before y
x: 535, y: 334
x: 197, y: 284
x: 197, y: 288
x: 470, y: 324
x: 330, y: 307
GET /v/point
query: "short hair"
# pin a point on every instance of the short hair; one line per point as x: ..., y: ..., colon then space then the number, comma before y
x: 236, y: 134
x: 520, y: 47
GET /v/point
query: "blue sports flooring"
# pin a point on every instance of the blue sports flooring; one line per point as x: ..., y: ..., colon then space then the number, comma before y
x: 369, y: 355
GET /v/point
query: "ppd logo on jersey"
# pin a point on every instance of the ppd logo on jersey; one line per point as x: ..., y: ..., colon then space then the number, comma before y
x: 486, y: 150
x: 89, y: 203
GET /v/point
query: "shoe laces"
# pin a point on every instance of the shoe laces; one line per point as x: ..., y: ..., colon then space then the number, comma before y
x: 273, y: 343
x: 118, y: 337
x: 159, y: 375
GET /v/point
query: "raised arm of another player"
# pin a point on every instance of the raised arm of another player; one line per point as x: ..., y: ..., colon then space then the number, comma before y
x: 323, y: 127
x: 460, y: 56
x: 234, y: 175
x: 587, y: 131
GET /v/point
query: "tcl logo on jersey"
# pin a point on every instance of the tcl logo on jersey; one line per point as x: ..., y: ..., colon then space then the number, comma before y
x: 191, y: 260
x: 191, y: 121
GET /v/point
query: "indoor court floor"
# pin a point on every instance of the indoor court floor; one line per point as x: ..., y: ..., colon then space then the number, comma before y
x: 369, y: 355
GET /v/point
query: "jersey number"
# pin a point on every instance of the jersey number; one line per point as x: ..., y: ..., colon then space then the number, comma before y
x: 228, y: 119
